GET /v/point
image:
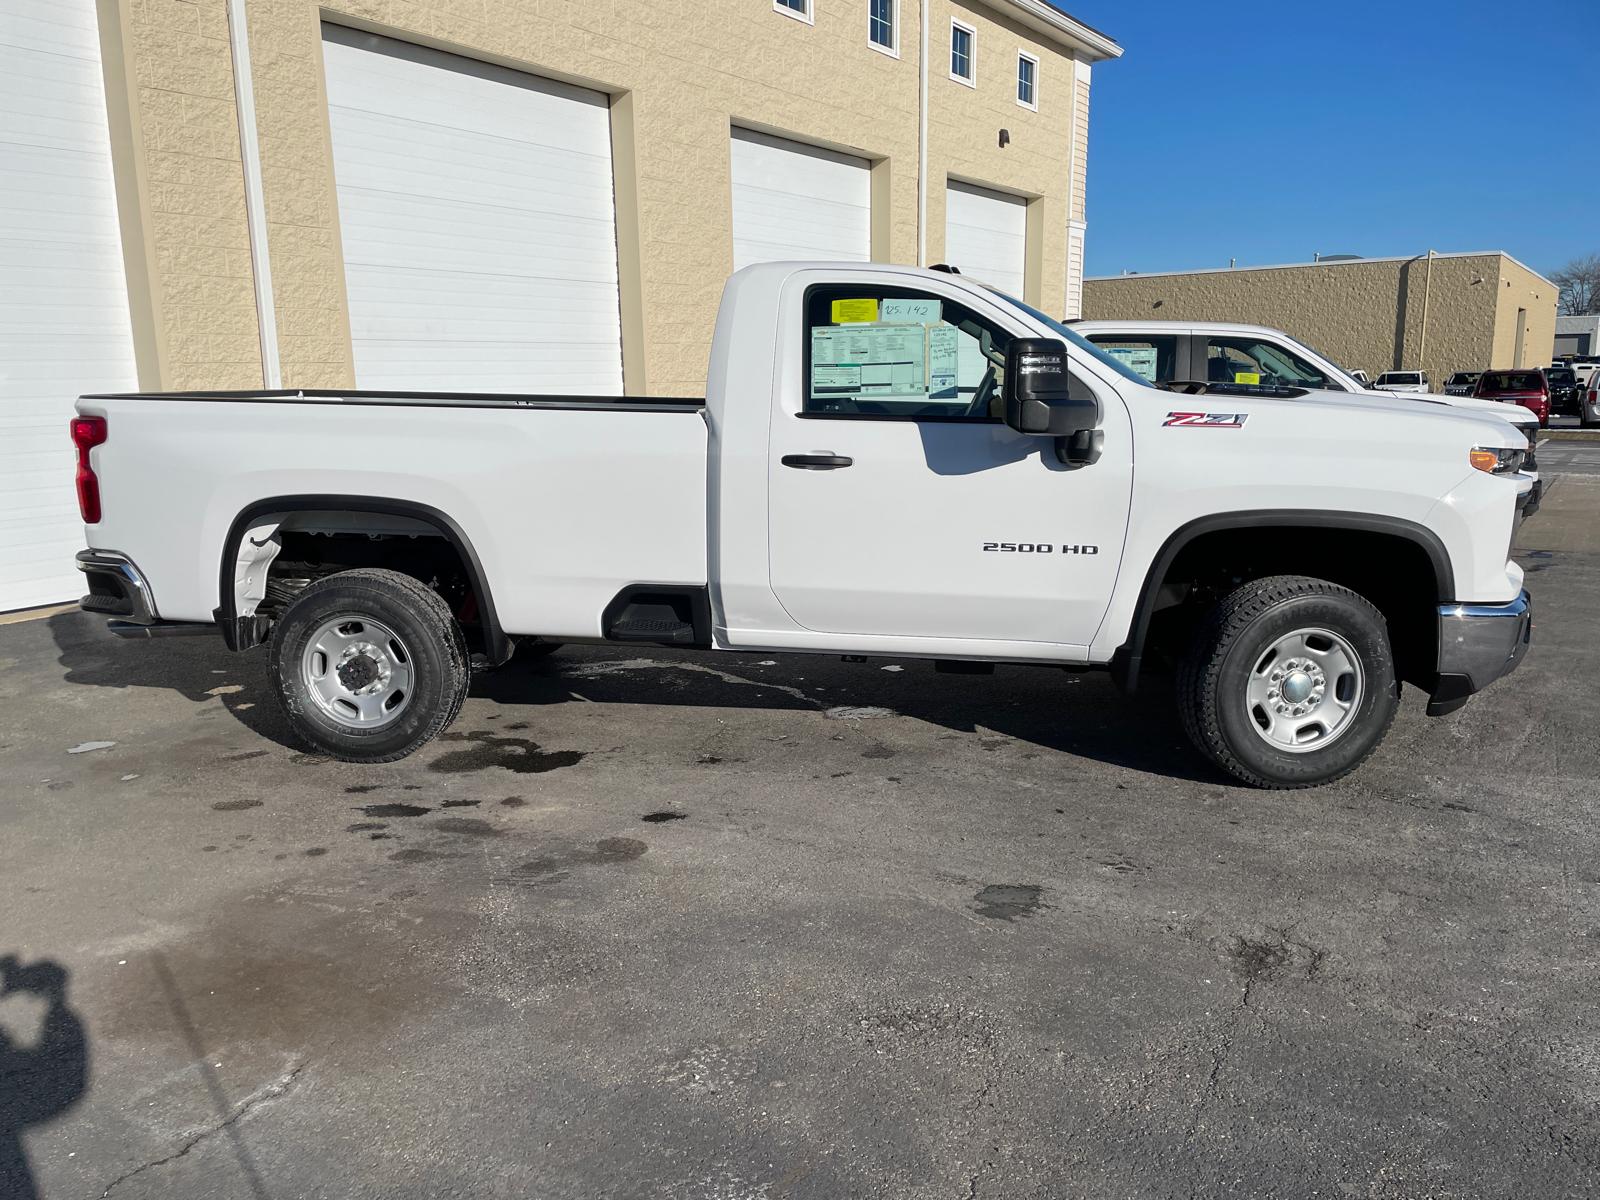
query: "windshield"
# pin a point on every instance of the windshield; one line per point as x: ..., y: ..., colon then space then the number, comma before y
x: 1399, y: 377
x: 1512, y: 381
x: 1078, y: 340
x: 1562, y: 375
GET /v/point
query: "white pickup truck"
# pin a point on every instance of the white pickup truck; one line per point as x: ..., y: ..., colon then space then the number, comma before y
x: 888, y: 462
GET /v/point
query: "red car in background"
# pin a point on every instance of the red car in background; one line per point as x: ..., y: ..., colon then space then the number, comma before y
x: 1525, y: 387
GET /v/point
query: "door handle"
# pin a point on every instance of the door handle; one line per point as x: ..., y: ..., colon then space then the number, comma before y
x: 816, y: 462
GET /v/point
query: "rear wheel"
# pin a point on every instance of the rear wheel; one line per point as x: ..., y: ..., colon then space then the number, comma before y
x: 369, y: 665
x: 1290, y: 682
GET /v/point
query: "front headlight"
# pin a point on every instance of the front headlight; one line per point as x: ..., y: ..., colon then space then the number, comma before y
x: 1497, y: 461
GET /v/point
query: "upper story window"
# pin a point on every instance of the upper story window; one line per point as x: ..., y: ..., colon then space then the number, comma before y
x: 1027, y: 80
x: 963, y: 56
x: 800, y: 10
x: 881, y: 26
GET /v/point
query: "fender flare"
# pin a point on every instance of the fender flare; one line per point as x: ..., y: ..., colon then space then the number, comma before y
x: 242, y: 633
x: 1126, y: 661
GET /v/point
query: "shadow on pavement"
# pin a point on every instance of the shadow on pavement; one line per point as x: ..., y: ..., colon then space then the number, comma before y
x: 193, y: 667
x: 41, y: 1082
x: 1081, y: 714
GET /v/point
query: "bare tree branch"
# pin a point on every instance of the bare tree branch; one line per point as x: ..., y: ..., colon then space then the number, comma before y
x: 1579, y: 281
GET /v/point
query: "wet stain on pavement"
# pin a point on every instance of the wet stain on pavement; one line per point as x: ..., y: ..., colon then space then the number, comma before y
x: 514, y: 754
x: 243, y: 757
x: 1008, y: 901
x: 363, y: 826
x: 513, y: 802
x: 235, y: 805
x: 462, y: 803
x: 393, y: 810
x: 362, y: 789
x: 606, y: 850
x: 316, y: 852
x: 656, y: 818
x: 470, y: 826
x: 418, y: 855
x: 879, y: 751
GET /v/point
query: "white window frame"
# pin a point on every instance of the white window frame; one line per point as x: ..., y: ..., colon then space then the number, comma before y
x: 894, y: 28
x: 1024, y: 56
x: 808, y: 16
x: 972, y: 55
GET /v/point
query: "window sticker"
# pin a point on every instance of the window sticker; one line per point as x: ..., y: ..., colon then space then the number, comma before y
x: 887, y: 361
x: 944, y: 347
x: 854, y: 312
x: 922, y: 312
x: 1142, y: 361
x: 1250, y: 377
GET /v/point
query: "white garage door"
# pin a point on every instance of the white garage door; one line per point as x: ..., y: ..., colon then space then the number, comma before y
x: 986, y: 235
x: 479, y: 226
x: 798, y: 202
x: 64, y: 324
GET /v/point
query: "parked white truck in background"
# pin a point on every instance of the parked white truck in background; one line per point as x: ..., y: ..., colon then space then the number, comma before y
x: 888, y: 462
x: 1249, y: 360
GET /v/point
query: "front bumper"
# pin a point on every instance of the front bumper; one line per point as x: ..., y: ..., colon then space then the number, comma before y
x: 1478, y: 643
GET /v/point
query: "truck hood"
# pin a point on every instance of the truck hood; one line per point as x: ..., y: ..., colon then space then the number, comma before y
x: 1485, y: 422
x: 1511, y: 414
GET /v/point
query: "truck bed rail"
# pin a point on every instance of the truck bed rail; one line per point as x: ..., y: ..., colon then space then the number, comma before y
x: 424, y: 399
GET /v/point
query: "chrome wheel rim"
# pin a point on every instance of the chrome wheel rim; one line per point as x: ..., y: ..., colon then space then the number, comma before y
x: 1304, y: 691
x: 358, y: 672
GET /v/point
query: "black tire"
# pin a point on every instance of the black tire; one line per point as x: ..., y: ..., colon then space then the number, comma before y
x: 431, y: 650
x: 1215, y: 678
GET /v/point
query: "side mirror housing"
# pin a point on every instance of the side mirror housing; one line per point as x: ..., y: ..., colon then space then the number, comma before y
x: 1037, y: 391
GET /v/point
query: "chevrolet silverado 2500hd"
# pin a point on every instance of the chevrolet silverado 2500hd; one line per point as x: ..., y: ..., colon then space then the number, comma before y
x: 888, y: 462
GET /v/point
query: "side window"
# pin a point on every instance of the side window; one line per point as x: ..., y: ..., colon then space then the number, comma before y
x: 888, y: 352
x: 1246, y: 362
x: 1153, y: 359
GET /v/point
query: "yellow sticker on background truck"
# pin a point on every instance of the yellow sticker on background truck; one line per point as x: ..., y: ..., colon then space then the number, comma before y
x: 854, y: 312
x: 1247, y: 377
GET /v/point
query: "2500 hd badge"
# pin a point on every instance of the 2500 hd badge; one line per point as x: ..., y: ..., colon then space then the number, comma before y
x: 1037, y: 548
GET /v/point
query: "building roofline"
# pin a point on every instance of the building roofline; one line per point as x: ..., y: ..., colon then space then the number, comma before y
x: 1059, y: 27
x: 1340, y: 262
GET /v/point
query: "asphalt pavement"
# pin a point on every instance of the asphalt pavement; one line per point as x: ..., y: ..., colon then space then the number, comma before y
x: 720, y: 927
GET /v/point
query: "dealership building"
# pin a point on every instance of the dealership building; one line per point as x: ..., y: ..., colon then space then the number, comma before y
x: 1437, y: 312
x: 497, y: 196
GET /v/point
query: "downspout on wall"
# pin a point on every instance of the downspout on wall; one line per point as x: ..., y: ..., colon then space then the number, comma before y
x: 254, y: 202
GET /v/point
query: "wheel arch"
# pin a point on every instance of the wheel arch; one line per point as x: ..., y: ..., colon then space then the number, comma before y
x: 1128, y: 658
x: 240, y: 633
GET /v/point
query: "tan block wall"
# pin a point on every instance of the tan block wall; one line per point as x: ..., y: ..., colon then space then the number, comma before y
x: 679, y: 75
x: 1521, y: 288
x: 1366, y: 315
x: 182, y: 80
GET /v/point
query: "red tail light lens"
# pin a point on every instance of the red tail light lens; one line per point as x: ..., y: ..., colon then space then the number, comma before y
x: 87, y: 433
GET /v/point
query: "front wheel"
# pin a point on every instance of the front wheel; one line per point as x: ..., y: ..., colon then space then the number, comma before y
x: 369, y: 665
x: 1290, y: 682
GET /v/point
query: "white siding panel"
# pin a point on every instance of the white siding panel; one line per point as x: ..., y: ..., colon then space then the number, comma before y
x: 478, y: 221
x: 795, y: 202
x: 986, y: 235
x: 64, y: 326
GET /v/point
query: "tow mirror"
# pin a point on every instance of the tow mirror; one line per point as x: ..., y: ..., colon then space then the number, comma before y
x: 1038, y: 391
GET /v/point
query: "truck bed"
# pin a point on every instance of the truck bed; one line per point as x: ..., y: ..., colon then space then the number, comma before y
x: 564, y: 499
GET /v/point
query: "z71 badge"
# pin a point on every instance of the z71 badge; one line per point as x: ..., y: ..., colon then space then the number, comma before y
x: 1220, y: 420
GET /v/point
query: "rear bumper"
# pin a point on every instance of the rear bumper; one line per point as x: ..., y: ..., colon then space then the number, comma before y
x: 1478, y: 644
x: 117, y: 588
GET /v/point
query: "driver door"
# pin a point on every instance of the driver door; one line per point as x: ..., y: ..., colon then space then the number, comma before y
x: 901, y: 505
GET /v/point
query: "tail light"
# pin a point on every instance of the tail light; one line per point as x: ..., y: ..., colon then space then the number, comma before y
x: 87, y: 433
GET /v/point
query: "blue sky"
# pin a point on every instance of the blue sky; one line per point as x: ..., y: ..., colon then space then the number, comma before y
x: 1269, y: 131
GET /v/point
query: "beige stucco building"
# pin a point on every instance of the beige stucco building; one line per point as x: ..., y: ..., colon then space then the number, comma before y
x: 1441, y: 313
x: 486, y: 195
x: 679, y: 85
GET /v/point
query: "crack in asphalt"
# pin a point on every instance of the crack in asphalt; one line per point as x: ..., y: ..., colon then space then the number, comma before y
x: 270, y: 1092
